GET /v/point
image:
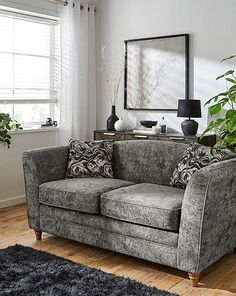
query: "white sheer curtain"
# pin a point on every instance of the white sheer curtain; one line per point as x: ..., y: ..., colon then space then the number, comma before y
x: 78, y: 75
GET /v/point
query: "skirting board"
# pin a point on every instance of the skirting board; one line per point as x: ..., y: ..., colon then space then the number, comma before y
x: 12, y: 201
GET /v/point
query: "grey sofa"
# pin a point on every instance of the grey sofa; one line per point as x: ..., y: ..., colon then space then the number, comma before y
x: 137, y: 213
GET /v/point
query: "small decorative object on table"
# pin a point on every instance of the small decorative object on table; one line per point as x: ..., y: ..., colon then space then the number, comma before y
x: 163, y: 126
x: 189, y: 108
x: 112, y: 119
x: 149, y: 127
x: 148, y: 123
x: 49, y: 122
x: 55, y: 124
x: 120, y: 125
x: 156, y: 129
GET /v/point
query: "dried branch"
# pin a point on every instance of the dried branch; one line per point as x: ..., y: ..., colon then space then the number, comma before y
x: 113, y: 84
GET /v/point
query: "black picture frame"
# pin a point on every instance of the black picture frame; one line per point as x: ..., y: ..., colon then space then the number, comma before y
x: 186, y: 70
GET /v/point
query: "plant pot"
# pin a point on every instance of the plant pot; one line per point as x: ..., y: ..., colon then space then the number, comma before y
x: 112, y: 119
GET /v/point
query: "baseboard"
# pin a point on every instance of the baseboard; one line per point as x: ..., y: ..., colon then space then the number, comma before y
x: 12, y: 201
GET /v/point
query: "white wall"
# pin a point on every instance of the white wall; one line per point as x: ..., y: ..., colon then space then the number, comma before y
x: 210, y: 24
x: 11, y: 174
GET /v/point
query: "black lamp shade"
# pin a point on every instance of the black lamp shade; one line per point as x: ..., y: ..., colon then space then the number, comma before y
x: 189, y: 108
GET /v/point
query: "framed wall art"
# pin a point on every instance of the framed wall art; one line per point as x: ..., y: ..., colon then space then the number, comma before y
x: 156, y: 72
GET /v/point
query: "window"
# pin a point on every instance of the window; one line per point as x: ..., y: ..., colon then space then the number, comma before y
x: 29, y: 66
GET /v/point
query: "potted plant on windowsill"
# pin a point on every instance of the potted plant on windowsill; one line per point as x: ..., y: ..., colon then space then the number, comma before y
x: 6, y: 125
x: 226, y: 125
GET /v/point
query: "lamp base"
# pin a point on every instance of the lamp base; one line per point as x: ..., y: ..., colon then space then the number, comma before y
x: 189, y: 127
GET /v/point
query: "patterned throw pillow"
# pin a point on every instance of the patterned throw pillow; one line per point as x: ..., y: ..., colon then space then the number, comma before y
x: 195, y: 157
x: 90, y: 159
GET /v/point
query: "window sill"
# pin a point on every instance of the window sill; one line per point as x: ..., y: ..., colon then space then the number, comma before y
x: 35, y: 130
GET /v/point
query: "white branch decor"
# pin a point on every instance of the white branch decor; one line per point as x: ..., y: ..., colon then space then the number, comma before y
x: 113, y: 82
x: 148, y: 80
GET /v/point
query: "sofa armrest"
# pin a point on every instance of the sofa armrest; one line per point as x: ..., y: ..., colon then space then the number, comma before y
x: 40, y: 166
x: 208, y: 218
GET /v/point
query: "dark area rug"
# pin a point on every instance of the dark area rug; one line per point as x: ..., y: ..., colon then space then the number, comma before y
x: 26, y: 272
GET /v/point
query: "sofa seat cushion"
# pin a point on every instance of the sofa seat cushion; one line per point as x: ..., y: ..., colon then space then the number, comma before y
x: 79, y: 194
x: 146, y: 204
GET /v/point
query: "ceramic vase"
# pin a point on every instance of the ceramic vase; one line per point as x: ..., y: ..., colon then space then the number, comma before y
x: 112, y: 119
x: 120, y: 125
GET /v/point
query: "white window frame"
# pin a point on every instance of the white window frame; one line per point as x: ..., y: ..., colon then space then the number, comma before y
x: 54, y: 95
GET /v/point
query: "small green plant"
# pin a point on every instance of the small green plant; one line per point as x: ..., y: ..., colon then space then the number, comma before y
x: 226, y: 126
x: 7, y: 124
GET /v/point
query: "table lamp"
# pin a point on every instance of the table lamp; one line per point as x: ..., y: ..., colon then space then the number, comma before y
x: 189, y: 108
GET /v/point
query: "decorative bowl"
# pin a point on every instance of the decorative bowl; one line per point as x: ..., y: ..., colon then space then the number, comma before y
x: 148, y: 123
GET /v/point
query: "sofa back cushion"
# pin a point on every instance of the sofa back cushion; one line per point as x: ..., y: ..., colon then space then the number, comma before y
x: 146, y: 161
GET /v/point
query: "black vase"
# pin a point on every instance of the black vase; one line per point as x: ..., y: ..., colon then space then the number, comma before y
x: 112, y: 119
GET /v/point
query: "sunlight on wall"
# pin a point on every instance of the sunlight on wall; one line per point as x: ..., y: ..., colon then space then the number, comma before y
x: 210, y: 41
x: 205, y: 86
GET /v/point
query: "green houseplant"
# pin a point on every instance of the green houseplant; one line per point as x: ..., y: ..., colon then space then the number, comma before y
x: 6, y: 125
x: 225, y: 126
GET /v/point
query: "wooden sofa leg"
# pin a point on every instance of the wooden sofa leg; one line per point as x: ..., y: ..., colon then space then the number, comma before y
x: 38, y: 235
x: 194, y: 279
x: 235, y: 251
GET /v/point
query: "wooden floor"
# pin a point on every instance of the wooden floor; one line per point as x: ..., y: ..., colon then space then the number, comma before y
x: 219, y: 280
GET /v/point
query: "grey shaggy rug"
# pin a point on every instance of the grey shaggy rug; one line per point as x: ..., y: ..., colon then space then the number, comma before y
x: 28, y: 272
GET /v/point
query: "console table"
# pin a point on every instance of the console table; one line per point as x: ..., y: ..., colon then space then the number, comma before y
x: 208, y: 140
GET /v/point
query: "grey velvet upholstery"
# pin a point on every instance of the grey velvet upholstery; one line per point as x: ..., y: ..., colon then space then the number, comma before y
x: 40, y: 166
x: 208, y: 220
x: 146, y: 204
x: 168, y: 238
x: 80, y: 194
x: 207, y: 228
x: 106, y: 239
x: 143, y: 161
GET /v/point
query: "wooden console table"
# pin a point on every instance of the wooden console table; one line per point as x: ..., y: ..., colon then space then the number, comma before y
x: 208, y: 140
